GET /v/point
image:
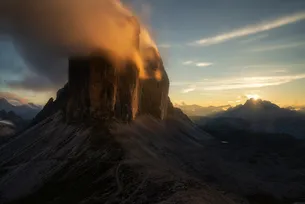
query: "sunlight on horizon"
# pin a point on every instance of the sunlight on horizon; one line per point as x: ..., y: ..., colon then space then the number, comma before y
x: 253, y: 96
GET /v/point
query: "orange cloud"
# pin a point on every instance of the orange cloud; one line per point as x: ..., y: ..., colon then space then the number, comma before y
x: 13, y: 97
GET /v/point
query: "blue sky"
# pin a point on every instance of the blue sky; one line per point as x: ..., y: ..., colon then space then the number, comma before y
x: 215, y: 52
x: 246, y: 48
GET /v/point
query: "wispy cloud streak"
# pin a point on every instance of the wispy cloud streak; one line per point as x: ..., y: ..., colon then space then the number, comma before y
x: 187, y: 90
x: 252, y: 29
x: 221, y: 84
x: 278, y: 47
x: 203, y: 64
x: 197, y: 64
x: 254, y: 39
x: 253, y: 82
x: 188, y: 62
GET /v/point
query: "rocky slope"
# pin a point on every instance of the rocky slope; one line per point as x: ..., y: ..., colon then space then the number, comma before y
x: 111, y: 137
x: 148, y: 161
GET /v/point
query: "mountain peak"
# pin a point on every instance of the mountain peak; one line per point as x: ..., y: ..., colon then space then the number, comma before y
x: 253, y: 102
x: 26, y: 111
x: 34, y: 106
x: 96, y: 89
x: 260, y: 104
x: 3, y: 100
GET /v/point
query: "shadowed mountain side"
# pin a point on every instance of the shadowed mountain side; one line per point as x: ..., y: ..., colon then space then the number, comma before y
x: 148, y: 161
x: 52, y: 106
x: 257, y: 116
x: 245, y: 169
x: 81, y: 165
x: 111, y: 137
x: 35, y: 154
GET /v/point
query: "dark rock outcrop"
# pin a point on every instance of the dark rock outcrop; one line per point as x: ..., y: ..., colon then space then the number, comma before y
x: 91, y: 88
x: 154, y: 90
x: 99, y: 90
x: 52, y: 106
x: 127, y: 96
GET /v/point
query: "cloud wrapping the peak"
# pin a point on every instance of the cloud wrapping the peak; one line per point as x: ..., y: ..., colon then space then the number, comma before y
x: 47, y: 32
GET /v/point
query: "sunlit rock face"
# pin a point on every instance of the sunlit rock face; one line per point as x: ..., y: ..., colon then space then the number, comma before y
x: 92, y: 87
x: 154, y: 89
x: 97, y: 89
x: 127, y: 93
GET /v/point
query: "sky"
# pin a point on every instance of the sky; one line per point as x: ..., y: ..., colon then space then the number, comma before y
x: 215, y: 52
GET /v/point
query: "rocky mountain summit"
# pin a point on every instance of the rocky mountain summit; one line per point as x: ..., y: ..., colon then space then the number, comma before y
x: 80, y: 130
x: 111, y: 136
x: 96, y: 90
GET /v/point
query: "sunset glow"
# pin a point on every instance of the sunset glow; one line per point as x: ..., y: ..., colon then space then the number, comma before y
x: 210, y: 60
x: 253, y: 96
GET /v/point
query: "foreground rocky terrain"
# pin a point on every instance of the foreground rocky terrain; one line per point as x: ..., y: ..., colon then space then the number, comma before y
x: 147, y: 162
x: 115, y: 138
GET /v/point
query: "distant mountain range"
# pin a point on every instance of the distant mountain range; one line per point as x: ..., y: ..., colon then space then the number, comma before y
x: 257, y: 116
x: 259, y: 110
x: 297, y: 108
x: 26, y: 111
x: 196, y: 110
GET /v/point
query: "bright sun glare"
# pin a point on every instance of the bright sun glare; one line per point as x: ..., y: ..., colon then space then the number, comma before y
x: 253, y: 96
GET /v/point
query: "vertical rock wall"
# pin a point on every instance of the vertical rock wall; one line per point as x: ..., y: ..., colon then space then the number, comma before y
x: 92, y: 88
x: 97, y: 90
x: 154, y: 90
x: 127, y: 98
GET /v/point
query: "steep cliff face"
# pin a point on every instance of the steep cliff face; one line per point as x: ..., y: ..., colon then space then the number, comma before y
x: 154, y: 89
x: 75, y: 156
x: 52, y: 106
x: 92, y: 88
x: 98, y: 90
x: 127, y: 93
